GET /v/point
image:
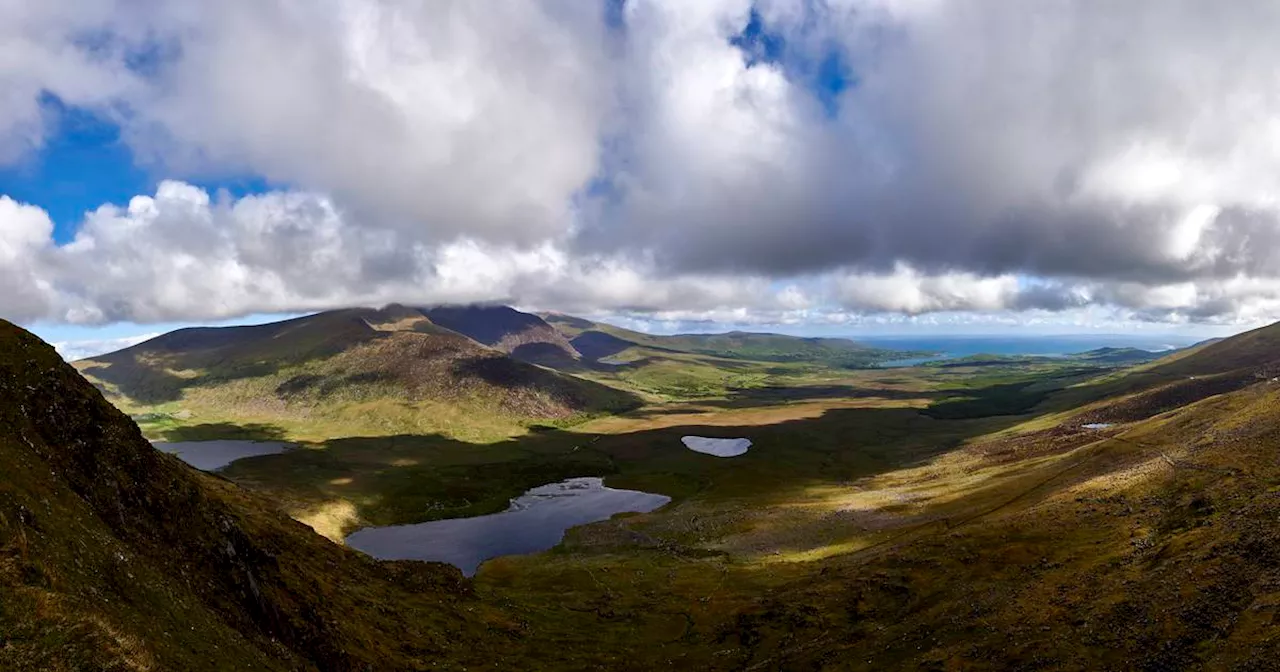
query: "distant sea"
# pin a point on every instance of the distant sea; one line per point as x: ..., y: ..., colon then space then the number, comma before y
x: 1045, y: 346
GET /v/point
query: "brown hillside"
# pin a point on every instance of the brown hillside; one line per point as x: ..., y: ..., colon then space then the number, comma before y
x: 115, y: 556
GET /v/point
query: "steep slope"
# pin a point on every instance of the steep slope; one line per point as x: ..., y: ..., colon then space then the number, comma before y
x: 1182, y: 377
x: 1256, y: 351
x: 359, y: 370
x: 115, y: 556
x: 522, y: 335
x: 1153, y: 547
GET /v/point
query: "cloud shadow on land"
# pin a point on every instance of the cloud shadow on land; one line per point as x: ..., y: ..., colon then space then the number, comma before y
x: 406, y: 479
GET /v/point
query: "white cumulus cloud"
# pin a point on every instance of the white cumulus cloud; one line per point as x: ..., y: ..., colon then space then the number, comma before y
x: 675, y: 158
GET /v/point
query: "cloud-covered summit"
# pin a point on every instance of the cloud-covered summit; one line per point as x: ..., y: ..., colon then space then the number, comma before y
x: 770, y: 159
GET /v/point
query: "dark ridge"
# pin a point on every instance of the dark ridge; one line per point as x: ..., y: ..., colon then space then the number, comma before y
x: 597, y: 344
x: 483, y: 324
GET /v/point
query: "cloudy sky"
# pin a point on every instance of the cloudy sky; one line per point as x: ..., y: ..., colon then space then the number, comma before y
x: 813, y: 165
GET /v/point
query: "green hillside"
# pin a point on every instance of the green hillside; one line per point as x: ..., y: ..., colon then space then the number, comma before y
x: 1126, y: 520
x: 114, y: 556
x: 355, y: 372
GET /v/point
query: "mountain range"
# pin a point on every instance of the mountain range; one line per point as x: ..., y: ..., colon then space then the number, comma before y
x: 467, y: 371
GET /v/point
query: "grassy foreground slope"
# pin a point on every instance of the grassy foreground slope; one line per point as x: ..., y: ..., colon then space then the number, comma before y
x: 114, y: 556
x: 345, y: 372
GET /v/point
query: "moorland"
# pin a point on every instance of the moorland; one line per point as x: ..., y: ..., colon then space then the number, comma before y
x: 1109, y: 510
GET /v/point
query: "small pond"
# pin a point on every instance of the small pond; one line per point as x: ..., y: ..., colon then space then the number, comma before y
x: 717, y: 447
x: 214, y: 455
x: 535, y: 521
x: 1098, y: 425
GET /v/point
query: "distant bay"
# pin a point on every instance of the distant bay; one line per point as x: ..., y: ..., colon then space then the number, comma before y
x: 1045, y: 346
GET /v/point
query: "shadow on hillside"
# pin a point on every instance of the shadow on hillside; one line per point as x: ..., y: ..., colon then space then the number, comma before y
x: 152, y: 384
x: 135, y: 381
x: 548, y: 355
x: 414, y: 478
x: 225, y: 430
x: 577, y: 393
x: 598, y: 344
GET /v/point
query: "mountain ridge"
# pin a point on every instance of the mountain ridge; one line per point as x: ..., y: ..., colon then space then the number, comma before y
x: 338, y: 364
x: 142, y: 563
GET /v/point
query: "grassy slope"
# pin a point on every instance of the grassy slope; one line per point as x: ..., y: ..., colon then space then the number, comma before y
x: 860, y: 529
x: 346, y: 482
x: 860, y: 532
x: 115, y: 556
x: 358, y: 372
x: 1002, y: 543
x: 1151, y: 547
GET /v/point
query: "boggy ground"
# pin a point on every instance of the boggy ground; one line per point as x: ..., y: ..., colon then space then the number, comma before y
x: 867, y: 529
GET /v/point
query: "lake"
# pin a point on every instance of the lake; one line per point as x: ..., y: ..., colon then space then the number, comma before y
x: 717, y: 447
x: 214, y: 455
x: 535, y: 521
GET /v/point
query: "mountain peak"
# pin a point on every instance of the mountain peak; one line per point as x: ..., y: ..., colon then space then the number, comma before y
x: 524, y: 336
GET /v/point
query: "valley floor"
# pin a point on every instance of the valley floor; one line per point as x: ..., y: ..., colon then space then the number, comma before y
x: 951, y: 518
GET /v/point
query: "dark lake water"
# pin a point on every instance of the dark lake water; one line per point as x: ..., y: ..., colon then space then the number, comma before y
x: 214, y: 455
x: 535, y: 521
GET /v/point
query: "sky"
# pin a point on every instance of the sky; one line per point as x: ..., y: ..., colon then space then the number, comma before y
x: 807, y: 166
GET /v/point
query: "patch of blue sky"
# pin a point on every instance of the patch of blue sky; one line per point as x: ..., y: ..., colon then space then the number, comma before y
x: 85, y: 163
x: 818, y: 65
x: 615, y: 14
